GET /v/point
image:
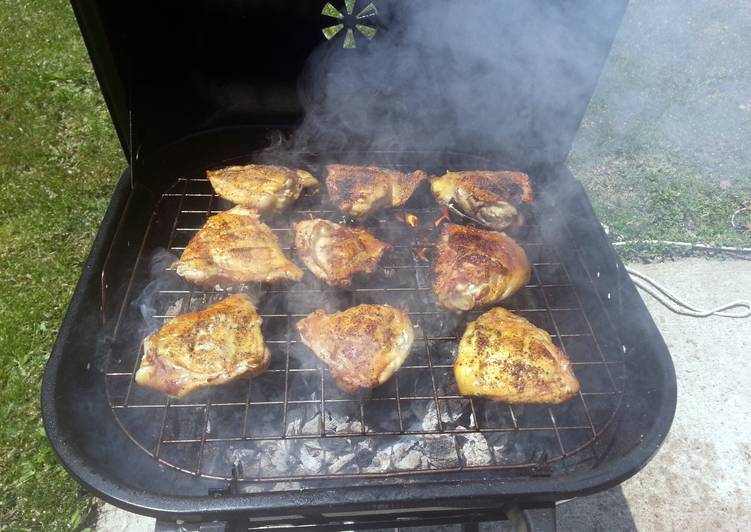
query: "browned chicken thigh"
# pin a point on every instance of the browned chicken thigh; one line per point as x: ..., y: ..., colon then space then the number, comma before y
x: 263, y: 187
x: 475, y: 267
x: 504, y: 357
x: 495, y: 199
x: 334, y: 252
x: 200, y: 349
x: 362, y: 346
x: 360, y: 190
x: 235, y: 247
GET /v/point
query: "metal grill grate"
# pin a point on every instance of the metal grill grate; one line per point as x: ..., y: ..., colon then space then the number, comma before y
x: 292, y: 423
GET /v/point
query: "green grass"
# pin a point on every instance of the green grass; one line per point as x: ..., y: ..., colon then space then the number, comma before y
x: 58, y: 163
x: 59, y: 159
x: 665, y: 147
x: 645, y: 188
x: 652, y: 196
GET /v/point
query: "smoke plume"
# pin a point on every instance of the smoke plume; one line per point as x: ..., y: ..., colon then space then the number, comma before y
x: 500, y: 77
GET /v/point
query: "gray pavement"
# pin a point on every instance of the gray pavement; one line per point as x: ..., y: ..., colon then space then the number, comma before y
x: 700, y: 478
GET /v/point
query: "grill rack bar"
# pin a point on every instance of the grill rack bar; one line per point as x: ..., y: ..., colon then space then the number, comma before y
x: 435, y: 396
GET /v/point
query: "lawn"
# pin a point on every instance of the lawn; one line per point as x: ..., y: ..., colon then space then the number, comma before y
x: 665, y: 147
x: 664, y: 151
x: 59, y: 160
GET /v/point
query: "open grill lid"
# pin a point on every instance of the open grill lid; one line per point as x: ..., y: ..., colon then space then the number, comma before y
x: 502, y: 76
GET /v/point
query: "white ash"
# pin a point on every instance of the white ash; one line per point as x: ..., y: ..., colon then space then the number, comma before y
x: 303, y: 419
x: 408, y: 453
x: 353, y: 455
x: 371, y: 453
x: 245, y: 459
x: 311, y: 458
x: 402, y: 455
x: 452, y: 412
x: 312, y: 426
x: 430, y: 420
x: 339, y: 463
x: 175, y: 309
x: 337, y: 423
x: 514, y: 448
x: 293, y: 426
x: 474, y: 449
x: 308, y: 421
x: 439, y: 451
x: 275, y: 458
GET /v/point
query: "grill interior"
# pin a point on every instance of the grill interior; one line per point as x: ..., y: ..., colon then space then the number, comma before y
x: 293, y: 424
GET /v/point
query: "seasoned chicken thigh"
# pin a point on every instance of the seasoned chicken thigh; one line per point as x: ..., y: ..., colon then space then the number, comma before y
x: 266, y: 188
x: 200, y: 349
x: 360, y: 190
x: 362, y: 346
x: 235, y: 247
x: 495, y: 199
x: 504, y: 357
x: 334, y: 252
x: 475, y: 267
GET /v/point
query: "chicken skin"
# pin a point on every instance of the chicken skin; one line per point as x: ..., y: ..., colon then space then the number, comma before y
x: 235, y: 247
x: 475, y: 267
x: 360, y: 190
x: 495, y: 199
x: 265, y: 188
x: 362, y: 346
x: 504, y: 357
x: 334, y: 252
x: 206, y: 348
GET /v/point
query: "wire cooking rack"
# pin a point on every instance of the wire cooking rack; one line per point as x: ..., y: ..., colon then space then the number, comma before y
x: 292, y: 423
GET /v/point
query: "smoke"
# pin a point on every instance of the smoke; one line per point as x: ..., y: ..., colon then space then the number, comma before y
x: 677, y: 84
x: 150, y: 301
x: 167, y: 294
x: 488, y: 76
x: 119, y: 347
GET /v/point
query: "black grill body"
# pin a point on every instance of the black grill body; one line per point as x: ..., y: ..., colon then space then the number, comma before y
x: 203, y: 458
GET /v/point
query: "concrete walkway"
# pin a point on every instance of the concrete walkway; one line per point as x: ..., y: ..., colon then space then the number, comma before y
x: 700, y: 478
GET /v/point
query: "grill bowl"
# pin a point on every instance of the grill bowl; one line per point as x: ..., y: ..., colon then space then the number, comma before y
x: 170, y: 459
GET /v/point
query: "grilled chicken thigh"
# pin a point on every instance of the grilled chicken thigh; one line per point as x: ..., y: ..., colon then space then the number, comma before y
x: 362, y: 346
x: 200, y: 349
x: 235, y: 247
x: 360, y: 190
x: 504, y: 357
x: 334, y: 252
x: 475, y: 267
x: 266, y: 188
x: 495, y: 199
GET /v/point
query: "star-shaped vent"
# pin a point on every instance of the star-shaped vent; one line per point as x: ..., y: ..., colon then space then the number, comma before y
x: 348, y: 20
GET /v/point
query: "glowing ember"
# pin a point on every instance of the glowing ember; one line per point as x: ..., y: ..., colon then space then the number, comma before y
x: 444, y: 216
x: 407, y: 218
x: 422, y: 254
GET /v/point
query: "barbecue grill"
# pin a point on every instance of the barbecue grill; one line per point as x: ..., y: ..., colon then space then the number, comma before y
x: 199, y: 85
